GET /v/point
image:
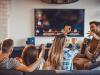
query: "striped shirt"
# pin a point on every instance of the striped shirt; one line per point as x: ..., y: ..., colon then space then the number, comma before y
x: 9, y: 63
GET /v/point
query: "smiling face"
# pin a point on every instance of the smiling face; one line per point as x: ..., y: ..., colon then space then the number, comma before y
x: 93, y: 27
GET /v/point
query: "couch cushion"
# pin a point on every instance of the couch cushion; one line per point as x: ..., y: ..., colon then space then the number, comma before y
x: 10, y: 72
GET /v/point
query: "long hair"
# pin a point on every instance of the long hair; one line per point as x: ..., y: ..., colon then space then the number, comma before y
x: 29, y: 55
x: 55, y: 52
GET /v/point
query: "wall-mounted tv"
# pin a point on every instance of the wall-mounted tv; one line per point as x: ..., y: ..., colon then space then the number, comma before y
x: 50, y: 22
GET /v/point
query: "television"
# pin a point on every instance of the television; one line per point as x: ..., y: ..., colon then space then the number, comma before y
x: 50, y: 22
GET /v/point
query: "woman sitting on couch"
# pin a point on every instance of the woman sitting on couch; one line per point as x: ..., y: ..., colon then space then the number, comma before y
x: 55, y: 54
x: 30, y: 55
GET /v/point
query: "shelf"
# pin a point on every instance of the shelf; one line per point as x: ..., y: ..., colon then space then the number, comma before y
x: 59, y: 1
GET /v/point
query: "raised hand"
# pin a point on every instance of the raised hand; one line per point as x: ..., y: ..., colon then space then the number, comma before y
x: 43, y: 47
x: 90, y: 33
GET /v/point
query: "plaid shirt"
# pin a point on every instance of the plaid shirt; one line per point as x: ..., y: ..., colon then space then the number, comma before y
x: 68, y: 59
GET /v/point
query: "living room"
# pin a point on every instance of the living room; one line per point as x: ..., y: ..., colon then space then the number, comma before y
x: 17, y: 19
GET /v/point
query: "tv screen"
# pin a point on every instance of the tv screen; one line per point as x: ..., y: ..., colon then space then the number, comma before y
x: 50, y: 22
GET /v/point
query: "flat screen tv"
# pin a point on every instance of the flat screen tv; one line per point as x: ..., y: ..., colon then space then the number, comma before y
x: 50, y: 22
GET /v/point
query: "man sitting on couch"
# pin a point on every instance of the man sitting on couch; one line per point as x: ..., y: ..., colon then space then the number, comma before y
x: 92, y: 51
